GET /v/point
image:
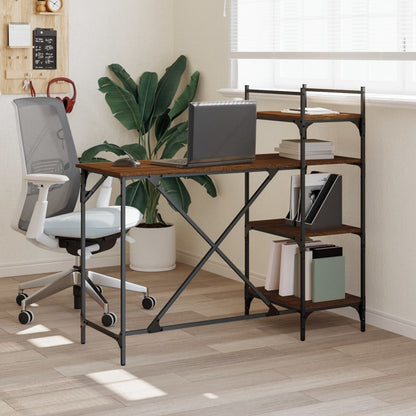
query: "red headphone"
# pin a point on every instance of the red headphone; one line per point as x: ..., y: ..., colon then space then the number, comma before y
x: 68, y: 102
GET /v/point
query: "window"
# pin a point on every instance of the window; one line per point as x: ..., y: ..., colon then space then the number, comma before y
x: 324, y: 43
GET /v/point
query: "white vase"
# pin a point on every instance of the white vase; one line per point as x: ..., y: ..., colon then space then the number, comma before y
x: 153, y: 249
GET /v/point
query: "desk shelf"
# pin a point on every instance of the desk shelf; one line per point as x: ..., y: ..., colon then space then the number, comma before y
x: 294, y: 303
x: 310, y: 118
x: 300, y: 233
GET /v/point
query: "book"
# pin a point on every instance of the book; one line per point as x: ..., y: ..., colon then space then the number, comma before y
x: 328, y: 278
x: 310, y: 144
x: 273, y: 270
x: 311, y: 110
x: 286, y: 278
x: 308, y: 156
x: 287, y: 266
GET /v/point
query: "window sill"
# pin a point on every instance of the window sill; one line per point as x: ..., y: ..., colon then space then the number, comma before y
x: 374, y: 100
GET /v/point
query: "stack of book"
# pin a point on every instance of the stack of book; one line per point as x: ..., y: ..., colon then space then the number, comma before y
x: 314, y: 149
x: 324, y: 270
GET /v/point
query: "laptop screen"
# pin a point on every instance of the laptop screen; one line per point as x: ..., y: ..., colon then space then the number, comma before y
x: 223, y: 131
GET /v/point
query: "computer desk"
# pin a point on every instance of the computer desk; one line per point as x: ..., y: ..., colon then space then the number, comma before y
x: 268, y: 163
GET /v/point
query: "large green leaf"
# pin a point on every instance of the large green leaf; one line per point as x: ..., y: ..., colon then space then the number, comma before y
x: 135, y: 196
x: 89, y: 154
x: 188, y: 94
x: 171, y: 135
x: 162, y: 124
x: 146, y: 91
x: 125, y: 78
x: 206, y: 182
x: 135, y: 150
x: 168, y: 85
x: 174, y: 144
x: 122, y: 104
x: 177, y: 191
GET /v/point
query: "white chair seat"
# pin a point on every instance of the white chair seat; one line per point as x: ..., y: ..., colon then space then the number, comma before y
x: 100, y: 222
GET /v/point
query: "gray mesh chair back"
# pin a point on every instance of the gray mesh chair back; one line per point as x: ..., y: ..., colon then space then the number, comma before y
x: 48, y: 147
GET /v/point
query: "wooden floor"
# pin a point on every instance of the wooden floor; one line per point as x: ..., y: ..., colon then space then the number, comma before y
x: 255, y: 367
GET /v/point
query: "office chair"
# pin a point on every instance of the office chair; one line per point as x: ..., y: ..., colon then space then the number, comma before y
x: 47, y: 216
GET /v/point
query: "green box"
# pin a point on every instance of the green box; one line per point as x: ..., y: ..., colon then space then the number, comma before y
x: 328, y: 278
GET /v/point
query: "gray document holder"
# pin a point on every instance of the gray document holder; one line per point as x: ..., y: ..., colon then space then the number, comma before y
x: 326, y: 211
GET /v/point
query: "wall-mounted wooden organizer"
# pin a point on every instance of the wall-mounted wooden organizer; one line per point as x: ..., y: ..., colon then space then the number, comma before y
x: 17, y: 63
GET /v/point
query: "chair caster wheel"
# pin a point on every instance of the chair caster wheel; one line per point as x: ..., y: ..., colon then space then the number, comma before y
x: 148, y: 302
x: 109, y: 319
x: 20, y: 297
x: 26, y: 317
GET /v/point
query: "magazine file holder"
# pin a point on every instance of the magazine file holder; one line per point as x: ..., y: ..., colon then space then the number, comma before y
x: 328, y: 214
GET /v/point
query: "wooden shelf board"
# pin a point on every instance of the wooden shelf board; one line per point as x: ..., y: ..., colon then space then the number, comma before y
x: 279, y: 227
x: 337, y: 160
x: 293, y: 302
x: 18, y: 47
x: 282, y: 116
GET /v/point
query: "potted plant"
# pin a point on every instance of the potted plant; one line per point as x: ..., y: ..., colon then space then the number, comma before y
x: 150, y: 108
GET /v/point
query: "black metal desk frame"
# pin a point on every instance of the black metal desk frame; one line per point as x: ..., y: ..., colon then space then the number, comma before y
x: 214, y: 247
x: 270, y: 165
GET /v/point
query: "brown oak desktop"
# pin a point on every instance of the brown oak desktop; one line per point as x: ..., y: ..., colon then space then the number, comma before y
x: 271, y: 164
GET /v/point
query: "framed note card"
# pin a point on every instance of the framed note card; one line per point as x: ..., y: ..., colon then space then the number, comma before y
x: 19, y: 35
x: 44, y: 49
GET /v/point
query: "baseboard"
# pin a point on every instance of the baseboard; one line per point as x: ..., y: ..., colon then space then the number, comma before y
x: 26, y: 268
x: 383, y: 320
x: 374, y: 317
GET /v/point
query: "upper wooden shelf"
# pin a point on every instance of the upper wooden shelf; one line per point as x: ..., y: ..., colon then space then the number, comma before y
x: 316, y: 118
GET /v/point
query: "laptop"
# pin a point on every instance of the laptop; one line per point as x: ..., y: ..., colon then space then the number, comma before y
x: 220, y: 132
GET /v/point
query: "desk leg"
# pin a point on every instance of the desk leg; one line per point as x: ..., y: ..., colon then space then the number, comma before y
x: 83, y: 199
x: 247, y: 296
x: 122, y: 337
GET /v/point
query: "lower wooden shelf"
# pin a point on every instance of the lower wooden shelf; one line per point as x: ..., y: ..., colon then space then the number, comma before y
x: 293, y: 302
x: 279, y: 227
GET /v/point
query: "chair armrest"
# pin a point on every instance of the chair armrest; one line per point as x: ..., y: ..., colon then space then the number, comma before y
x: 37, y: 222
x: 44, y: 179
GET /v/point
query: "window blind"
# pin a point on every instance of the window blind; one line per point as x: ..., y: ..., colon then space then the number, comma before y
x: 365, y: 38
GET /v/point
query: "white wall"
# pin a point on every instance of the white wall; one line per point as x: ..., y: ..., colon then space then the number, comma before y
x: 137, y: 35
x: 201, y: 33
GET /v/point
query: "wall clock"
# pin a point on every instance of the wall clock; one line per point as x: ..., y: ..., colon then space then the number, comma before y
x: 53, y: 5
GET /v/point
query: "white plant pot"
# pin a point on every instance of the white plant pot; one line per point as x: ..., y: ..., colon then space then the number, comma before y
x: 153, y: 249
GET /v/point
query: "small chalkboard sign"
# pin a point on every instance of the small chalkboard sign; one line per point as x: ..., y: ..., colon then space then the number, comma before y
x: 44, y: 49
